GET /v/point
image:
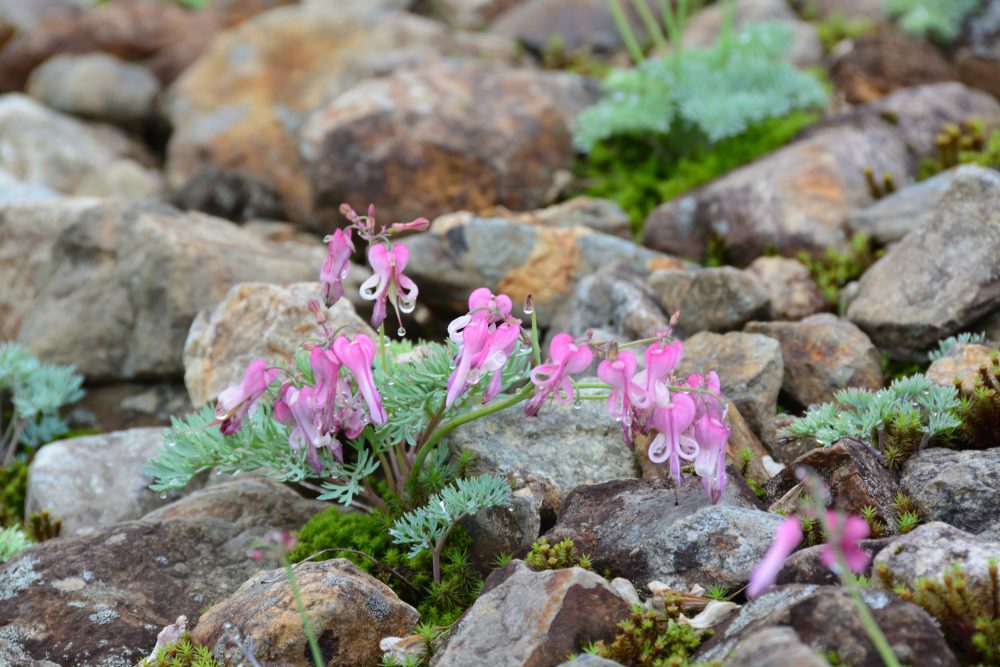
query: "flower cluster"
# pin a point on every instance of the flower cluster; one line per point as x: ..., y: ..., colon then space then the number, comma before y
x: 332, y: 403
x: 486, y: 337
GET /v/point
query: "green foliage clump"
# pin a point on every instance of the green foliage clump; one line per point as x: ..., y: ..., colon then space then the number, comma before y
x: 939, y: 20
x: 962, y: 143
x: 364, y: 539
x: 42, y: 526
x: 712, y: 93
x: 971, y: 623
x: 31, y: 394
x: 947, y: 345
x: 182, y: 653
x: 837, y: 27
x: 897, y: 421
x: 980, y: 409
x: 13, y: 489
x: 12, y: 542
x: 545, y: 556
x: 642, y: 172
x: 835, y: 268
x: 648, y: 638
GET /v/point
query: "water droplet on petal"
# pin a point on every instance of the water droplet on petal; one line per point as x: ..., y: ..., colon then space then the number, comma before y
x: 528, y: 311
x: 400, y: 332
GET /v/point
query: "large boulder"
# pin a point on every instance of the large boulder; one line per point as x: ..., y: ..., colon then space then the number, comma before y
x: 256, y: 321
x: 96, y: 480
x: 517, y: 258
x: 237, y: 112
x: 712, y: 299
x: 126, y: 281
x: 533, y: 619
x: 349, y: 611
x: 105, y: 596
x: 940, y: 278
x: 961, y: 488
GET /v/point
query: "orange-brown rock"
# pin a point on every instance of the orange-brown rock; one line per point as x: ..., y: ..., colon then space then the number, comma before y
x: 962, y: 363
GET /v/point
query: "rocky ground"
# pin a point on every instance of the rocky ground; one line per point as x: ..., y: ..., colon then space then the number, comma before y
x: 166, y: 176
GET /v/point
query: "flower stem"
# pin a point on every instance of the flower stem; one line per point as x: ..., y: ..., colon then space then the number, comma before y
x: 317, y: 656
x: 472, y: 415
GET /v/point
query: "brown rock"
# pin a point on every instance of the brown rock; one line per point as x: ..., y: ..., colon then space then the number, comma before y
x: 236, y: 112
x: 163, y: 34
x: 791, y: 289
x: 349, y: 610
x: 469, y: 14
x: 106, y: 595
x: 869, y: 9
x: 423, y: 141
x: 534, y: 619
x: 886, y: 60
x: 823, y: 354
x: 127, y: 281
x: 963, y: 363
x: 710, y: 299
x: 806, y: 566
x: 124, y: 405
x: 851, y: 472
x: 255, y: 321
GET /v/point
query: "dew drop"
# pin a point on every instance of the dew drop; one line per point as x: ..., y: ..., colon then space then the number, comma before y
x: 528, y: 310
x: 577, y: 404
x: 401, y: 332
x: 407, y: 306
x: 163, y: 496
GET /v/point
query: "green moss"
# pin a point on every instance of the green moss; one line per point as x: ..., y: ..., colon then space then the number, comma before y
x: 836, y: 27
x: 835, y: 268
x: 964, y: 143
x: 649, y: 638
x: 182, y: 653
x: 545, y: 556
x: 640, y: 174
x: 13, y: 489
x: 334, y: 534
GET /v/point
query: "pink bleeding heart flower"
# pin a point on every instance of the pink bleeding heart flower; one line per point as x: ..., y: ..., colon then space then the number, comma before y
x: 671, y: 420
x: 307, y: 411
x: 281, y: 410
x: 238, y: 401
x: 845, y: 532
x: 553, y: 378
x: 337, y: 266
x: 503, y: 342
x: 358, y: 355
x: 475, y: 338
x: 625, y: 393
x: 389, y: 283
x: 710, y: 463
x: 786, y: 539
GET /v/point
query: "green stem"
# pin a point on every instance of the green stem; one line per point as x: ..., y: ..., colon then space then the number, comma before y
x: 671, y: 387
x: 381, y: 348
x: 621, y: 22
x: 317, y: 656
x: 472, y: 415
x: 652, y: 27
x: 536, y: 348
x: 867, y: 620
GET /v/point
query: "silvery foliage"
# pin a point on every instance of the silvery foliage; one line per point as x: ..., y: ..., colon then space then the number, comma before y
x: 36, y: 391
x: 12, y: 542
x: 946, y: 346
x: 940, y: 20
x: 720, y: 91
x: 862, y: 414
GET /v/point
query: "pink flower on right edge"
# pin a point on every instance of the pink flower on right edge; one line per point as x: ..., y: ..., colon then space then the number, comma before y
x: 845, y: 531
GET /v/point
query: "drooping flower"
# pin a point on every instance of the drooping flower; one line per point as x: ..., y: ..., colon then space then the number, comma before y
x: 786, y: 539
x: 358, y: 355
x: 388, y: 282
x: 553, y: 378
x: 710, y: 463
x: 337, y: 266
x: 845, y: 532
x: 475, y: 338
x: 671, y: 419
x: 661, y: 360
x: 307, y: 410
x: 240, y: 400
x: 625, y: 393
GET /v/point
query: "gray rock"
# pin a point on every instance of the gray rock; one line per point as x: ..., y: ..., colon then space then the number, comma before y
x: 704, y: 27
x: 416, y: 139
x: 961, y: 488
x: 96, y: 480
x: 126, y: 405
x: 14, y: 191
x: 126, y: 281
x: 644, y: 531
x: 718, y: 299
x: 825, y: 619
x: 750, y: 369
x: 349, y: 610
x: 534, y: 619
x: 236, y: 112
x: 97, y: 86
x: 601, y: 215
x: 931, y: 551
x: 556, y: 451
x: 255, y: 321
x: 504, y: 530
x: 940, y: 278
x: 19, y: 15
x: 28, y: 232
x: 979, y: 59
x: 470, y: 14
x: 616, y: 302
x: 777, y: 646
x: 43, y: 147
x: 823, y: 354
x: 792, y: 292
x: 806, y: 566
x: 106, y: 595
x: 589, y: 660
x: 891, y: 218
x: 516, y: 259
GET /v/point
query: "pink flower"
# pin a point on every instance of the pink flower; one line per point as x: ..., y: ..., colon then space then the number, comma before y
x: 307, y: 410
x: 786, y: 539
x: 487, y: 337
x: 281, y: 410
x: 625, y: 393
x: 845, y: 532
x: 671, y: 420
x: 389, y: 283
x: 552, y: 378
x: 475, y: 337
x: 358, y: 355
x: 336, y: 266
x: 661, y: 359
x: 238, y: 401
x: 710, y: 463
